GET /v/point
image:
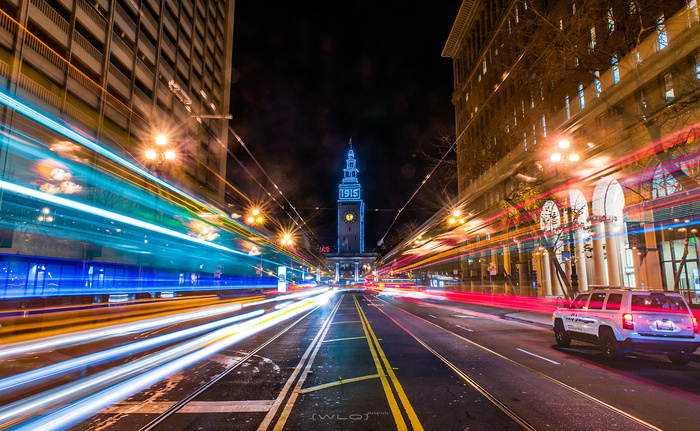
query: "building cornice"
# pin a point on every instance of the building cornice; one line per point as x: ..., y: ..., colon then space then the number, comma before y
x: 465, y: 16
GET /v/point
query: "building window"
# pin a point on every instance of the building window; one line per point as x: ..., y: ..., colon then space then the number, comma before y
x: 544, y: 127
x: 524, y: 5
x: 581, y: 99
x: 573, y: 8
x: 692, y: 6
x: 484, y: 67
x: 525, y: 140
x: 661, y: 32
x: 568, y: 107
x: 534, y: 135
x: 598, y: 88
x: 592, y: 38
x: 561, y: 24
x: 668, y: 86
x: 615, y: 69
x: 517, y: 20
x: 611, y: 21
x: 697, y: 66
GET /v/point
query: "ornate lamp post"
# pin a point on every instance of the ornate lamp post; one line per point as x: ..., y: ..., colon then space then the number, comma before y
x: 565, y: 155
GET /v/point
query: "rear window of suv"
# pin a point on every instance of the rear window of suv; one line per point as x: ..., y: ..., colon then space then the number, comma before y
x: 658, y: 302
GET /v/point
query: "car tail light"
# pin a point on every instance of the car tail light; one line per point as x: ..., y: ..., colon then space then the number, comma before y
x: 627, y: 321
x: 695, y: 325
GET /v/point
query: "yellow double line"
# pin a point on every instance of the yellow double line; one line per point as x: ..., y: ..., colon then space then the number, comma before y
x: 378, y: 353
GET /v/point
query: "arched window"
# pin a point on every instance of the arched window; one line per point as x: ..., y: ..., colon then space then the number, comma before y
x: 663, y: 183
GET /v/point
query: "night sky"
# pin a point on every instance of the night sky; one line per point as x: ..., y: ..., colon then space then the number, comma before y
x: 308, y: 76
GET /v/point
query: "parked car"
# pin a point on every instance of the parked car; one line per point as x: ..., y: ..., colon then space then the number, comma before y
x: 623, y: 320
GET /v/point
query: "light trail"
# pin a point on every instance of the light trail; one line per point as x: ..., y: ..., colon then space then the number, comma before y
x: 40, y: 118
x: 35, y: 376
x: 71, y: 317
x: 54, y: 342
x: 76, y: 401
x: 67, y: 203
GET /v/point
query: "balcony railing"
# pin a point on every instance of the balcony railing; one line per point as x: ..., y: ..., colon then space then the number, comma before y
x: 148, y: 49
x: 8, y: 30
x: 51, y: 14
x: 120, y: 82
x: 93, y: 15
x: 88, y: 47
x: 39, y: 91
x: 124, y: 20
x: 123, y: 52
x: 80, y: 115
x: 47, y: 54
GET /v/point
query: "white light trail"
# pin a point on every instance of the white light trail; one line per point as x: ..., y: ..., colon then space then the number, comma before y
x: 39, y: 374
x: 92, y: 394
x: 58, y: 200
x: 58, y: 341
x: 50, y: 343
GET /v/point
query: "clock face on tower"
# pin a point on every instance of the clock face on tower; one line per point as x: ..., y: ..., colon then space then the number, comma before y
x: 349, y: 217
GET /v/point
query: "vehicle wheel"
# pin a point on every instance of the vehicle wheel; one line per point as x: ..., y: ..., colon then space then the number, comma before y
x: 561, y: 335
x: 610, y: 348
x: 679, y: 358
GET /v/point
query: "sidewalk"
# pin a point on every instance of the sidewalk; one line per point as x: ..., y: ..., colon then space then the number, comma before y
x: 541, y: 319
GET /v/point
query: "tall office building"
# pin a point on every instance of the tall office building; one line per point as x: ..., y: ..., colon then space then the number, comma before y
x: 126, y: 71
x: 577, y: 149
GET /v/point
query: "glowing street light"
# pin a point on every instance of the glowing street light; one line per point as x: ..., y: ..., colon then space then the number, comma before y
x: 255, y: 216
x: 161, y: 140
x: 566, y: 155
x: 161, y: 152
x: 287, y: 240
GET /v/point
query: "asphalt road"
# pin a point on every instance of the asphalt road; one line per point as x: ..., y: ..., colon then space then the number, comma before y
x: 377, y: 362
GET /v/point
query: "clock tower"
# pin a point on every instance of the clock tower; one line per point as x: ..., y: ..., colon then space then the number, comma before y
x: 351, y: 209
x: 351, y: 261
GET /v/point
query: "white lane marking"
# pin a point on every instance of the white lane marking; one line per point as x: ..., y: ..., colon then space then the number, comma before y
x: 466, y: 329
x: 432, y: 316
x: 464, y: 316
x: 538, y: 356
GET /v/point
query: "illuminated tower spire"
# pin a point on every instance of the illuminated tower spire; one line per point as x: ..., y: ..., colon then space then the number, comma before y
x: 351, y: 209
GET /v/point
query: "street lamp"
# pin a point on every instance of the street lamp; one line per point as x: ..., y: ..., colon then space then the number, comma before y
x: 255, y: 217
x: 161, y: 152
x: 566, y: 156
x: 287, y: 240
x: 455, y: 219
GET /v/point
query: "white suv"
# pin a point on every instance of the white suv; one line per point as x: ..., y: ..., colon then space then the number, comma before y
x: 622, y: 320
